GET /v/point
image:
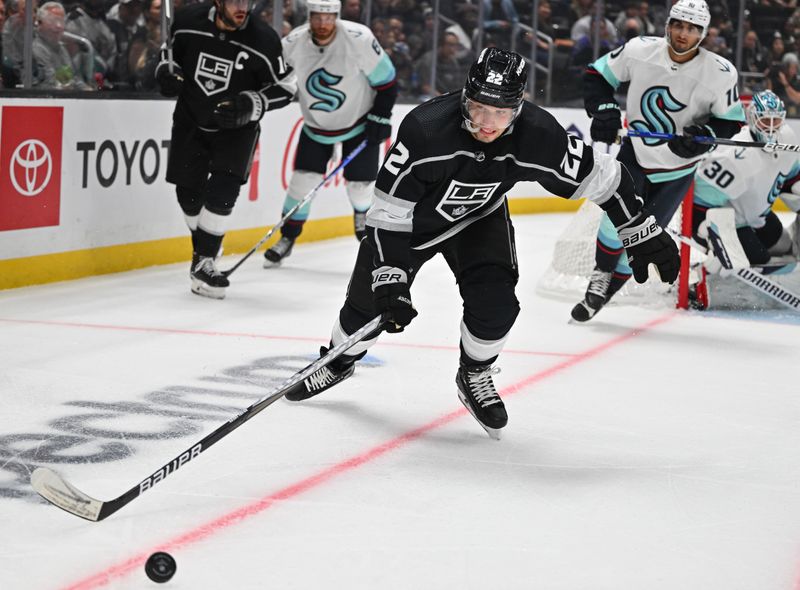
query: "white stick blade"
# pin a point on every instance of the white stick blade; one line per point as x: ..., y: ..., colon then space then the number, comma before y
x: 52, y: 487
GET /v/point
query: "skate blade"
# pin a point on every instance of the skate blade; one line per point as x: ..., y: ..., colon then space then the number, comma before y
x: 269, y: 264
x: 494, y: 433
x: 200, y: 288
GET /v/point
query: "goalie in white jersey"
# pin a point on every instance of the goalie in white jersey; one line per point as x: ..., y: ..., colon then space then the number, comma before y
x: 675, y: 86
x: 346, y: 89
x: 749, y: 180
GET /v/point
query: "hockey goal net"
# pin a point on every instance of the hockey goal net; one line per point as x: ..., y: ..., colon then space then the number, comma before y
x: 573, y: 260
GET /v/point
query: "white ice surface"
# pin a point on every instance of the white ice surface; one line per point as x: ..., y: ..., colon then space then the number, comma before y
x: 647, y: 450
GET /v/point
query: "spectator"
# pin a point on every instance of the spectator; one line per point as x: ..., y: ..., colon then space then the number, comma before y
x: 499, y: 19
x: 88, y: 19
x: 583, y: 52
x: 14, y: 39
x: 394, y: 43
x: 53, y: 66
x: 294, y: 11
x: 579, y: 9
x: 632, y: 11
x: 716, y: 43
x: 351, y: 10
x: 776, y: 50
x: 421, y: 40
x: 465, y: 28
x: 581, y: 29
x: 550, y: 27
x: 450, y: 72
x: 786, y: 84
x: 126, y: 23
x: 647, y: 19
x: 630, y: 28
x: 753, y: 59
x: 143, y: 54
x: 753, y: 62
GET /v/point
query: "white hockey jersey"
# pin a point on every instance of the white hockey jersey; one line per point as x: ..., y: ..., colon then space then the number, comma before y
x: 336, y: 83
x: 665, y: 97
x: 746, y: 179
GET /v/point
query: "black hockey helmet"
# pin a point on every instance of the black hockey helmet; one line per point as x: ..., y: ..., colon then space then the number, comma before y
x: 497, y: 78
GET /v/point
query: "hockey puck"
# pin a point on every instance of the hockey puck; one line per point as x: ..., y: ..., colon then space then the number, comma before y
x: 160, y: 567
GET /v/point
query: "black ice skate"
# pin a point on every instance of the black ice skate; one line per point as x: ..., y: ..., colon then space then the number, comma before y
x: 476, y: 391
x: 207, y: 279
x: 602, y: 286
x: 280, y: 250
x: 322, y: 379
x: 360, y: 224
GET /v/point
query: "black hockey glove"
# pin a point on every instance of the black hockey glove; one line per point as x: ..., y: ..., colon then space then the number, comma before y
x: 238, y: 111
x: 392, y: 297
x: 646, y: 243
x: 170, y: 84
x: 606, y: 124
x: 685, y: 147
x: 378, y: 129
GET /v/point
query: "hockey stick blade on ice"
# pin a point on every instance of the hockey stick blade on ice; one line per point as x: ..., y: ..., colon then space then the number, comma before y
x: 748, y: 276
x: 770, y: 147
x: 357, y: 150
x: 56, y: 490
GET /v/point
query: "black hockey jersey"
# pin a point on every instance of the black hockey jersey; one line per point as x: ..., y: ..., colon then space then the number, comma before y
x: 437, y: 179
x: 219, y: 64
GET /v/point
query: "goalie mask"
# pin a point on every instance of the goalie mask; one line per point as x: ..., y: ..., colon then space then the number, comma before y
x: 691, y: 11
x: 223, y: 15
x: 497, y: 79
x: 765, y: 116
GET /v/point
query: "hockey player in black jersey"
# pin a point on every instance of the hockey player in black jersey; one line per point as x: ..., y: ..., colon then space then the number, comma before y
x: 228, y: 71
x: 442, y: 189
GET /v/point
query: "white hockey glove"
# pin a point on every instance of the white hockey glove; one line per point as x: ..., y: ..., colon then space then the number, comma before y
x: 246, y: 107
x: 646, y: 243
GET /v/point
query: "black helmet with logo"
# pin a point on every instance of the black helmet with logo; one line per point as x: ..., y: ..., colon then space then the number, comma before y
x: 497, y: 78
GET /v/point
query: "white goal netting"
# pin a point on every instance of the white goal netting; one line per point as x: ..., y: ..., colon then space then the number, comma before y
x: 573, y: 259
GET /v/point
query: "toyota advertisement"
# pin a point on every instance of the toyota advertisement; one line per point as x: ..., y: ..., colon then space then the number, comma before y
x: 77, y: 175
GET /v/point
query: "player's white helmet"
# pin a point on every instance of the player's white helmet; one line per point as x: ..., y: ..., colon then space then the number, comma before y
x: 765, y: 116
x: 327, y: 6
x: 691, y: 11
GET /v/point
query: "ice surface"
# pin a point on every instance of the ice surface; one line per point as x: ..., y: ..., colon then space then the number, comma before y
x: 649, y: 449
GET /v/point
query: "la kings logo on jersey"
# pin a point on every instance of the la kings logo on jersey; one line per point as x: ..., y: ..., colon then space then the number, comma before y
x: 213, y: 74
x: 462, y: 198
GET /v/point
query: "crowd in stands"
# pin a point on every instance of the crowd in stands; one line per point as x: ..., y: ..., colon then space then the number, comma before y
x: 113, y: 44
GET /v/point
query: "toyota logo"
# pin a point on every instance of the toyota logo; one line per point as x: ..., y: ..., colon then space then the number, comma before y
x: 33, y: 158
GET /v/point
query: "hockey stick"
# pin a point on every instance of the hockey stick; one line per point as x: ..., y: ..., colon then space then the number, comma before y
x: 166, y: 32
x: 56, y: 490
x: 357, y: 150
x: 748, y: 276
x: 770, y: 147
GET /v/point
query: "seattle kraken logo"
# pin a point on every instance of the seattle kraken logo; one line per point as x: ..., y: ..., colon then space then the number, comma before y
x: 656, y: 103
x: 776, y: 189
x: 319, y: 85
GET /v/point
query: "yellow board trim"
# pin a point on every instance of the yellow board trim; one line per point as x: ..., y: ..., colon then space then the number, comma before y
x: 64, y: 266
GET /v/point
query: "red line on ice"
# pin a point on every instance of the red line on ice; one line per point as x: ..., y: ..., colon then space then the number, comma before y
x: 251, y: 335
x: 206, y: 530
